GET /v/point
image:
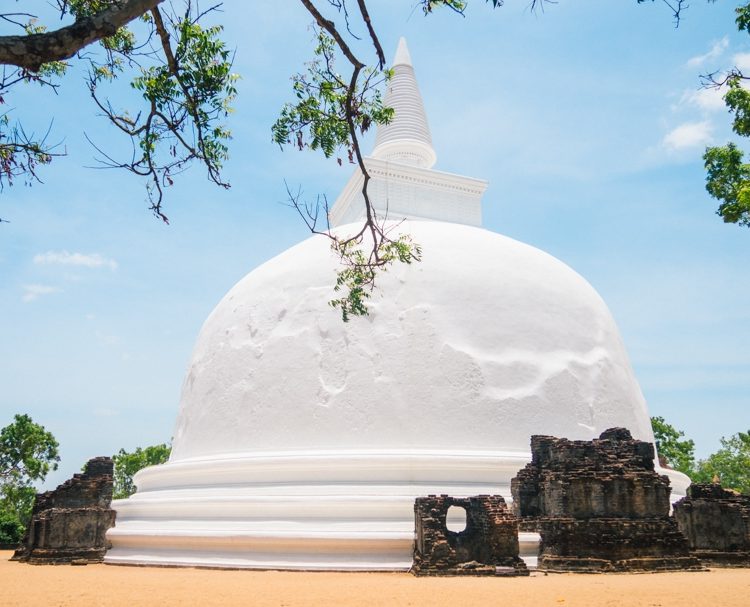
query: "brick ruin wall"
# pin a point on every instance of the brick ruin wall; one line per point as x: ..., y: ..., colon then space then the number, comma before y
x: 716, y: 523
x: 69, y: 524
x: 487, y: 546
x: 599, y: 506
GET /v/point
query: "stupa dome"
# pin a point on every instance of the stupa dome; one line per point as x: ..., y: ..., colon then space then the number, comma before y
x: 302, y: 441
x: 484, y: 343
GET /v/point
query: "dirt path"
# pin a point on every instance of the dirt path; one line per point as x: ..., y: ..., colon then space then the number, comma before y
x: 112, y: 586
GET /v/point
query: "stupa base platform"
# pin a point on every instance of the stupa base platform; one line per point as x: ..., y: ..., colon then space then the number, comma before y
x: 347, y: 511
x: 276, y: 552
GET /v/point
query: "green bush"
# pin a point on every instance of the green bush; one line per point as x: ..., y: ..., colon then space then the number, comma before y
x: 11, y: 529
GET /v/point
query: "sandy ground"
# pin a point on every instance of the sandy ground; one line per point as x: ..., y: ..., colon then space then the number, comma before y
x: 108, y: 585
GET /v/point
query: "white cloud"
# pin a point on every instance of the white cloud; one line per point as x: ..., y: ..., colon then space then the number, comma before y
x: 33, y: 292
x: 707, y: 99
x: 742, y: 61
x: 95, y: 260
x: 716, y: 51
x: 688, y: 135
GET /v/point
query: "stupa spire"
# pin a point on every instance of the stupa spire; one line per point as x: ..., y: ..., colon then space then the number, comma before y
x: 403, y: 183
x: 406, y: 139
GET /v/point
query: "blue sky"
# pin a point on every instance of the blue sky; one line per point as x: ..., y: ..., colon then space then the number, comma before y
x: 588, y: 121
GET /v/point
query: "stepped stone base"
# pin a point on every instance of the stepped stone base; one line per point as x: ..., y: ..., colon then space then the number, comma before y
x: 614, y: 545
x: 488, y: 545
x: 716, y: 558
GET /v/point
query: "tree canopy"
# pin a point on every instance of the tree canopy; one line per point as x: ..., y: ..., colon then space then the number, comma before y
x: 730, y: 465
x: 678, y: 453
x: 727, y: 175
x: 128, y: 463
x: 28, y: 452
x: 181, y: 70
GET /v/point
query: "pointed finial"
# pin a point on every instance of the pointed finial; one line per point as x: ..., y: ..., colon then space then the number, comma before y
x: 402, y: 56
x: 406, y: 139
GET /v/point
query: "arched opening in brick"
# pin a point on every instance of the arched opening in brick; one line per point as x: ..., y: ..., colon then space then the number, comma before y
x: 455, y: 519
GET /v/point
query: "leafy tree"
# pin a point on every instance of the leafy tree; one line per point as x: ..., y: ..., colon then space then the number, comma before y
x: 27, y: 454
x: 730, y: 464
x: 679, y: 453
x: 11, y: 529
x: 179, y: 70
x: 727, y: 175
x: 127, y: 464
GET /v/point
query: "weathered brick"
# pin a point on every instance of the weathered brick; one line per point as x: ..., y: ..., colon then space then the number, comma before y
x: 69, y: 524
x: 488, y: 545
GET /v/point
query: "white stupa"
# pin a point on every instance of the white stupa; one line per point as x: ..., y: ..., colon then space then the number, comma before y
x: 302, y: 441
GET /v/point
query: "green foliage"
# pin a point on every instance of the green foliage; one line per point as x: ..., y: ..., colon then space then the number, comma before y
x: 679, y: 452
x: 16, y: 505
x: 730, y: 464
x: 122, y: 41
x: 53, y: 68
x: 743, y: 17
x: 11, y: 529
x: 359, y: 273
x: 28, y: 453
x: 127, y: 464
x: 728, y: 180
x: 320, y: 117
x: 457, y: 5
x: 188, y: 95
x: 737, y: 99
x: 183, y: 72
x: 727, y: 176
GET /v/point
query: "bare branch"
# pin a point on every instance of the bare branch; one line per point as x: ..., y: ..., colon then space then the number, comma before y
x: 10, y: 18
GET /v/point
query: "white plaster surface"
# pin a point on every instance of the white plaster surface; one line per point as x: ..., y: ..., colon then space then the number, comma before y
x: 406, y: 139
x: 402, y: 183
x: 484, y: 343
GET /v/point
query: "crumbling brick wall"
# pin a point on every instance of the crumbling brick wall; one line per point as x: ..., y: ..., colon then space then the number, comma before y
x: 716, y: 522
x: 69, y: 524
x: 487, y: 546
x: 599, y: 506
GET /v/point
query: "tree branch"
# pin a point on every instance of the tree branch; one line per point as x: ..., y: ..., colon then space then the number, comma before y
x: 373, y: 36
x: 30, y: 52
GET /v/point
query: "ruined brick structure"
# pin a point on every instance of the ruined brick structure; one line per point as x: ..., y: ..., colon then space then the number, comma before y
x: 716, y: 523
x: 69, y: 524
x: 599, y: 506
x: 488, y: 545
